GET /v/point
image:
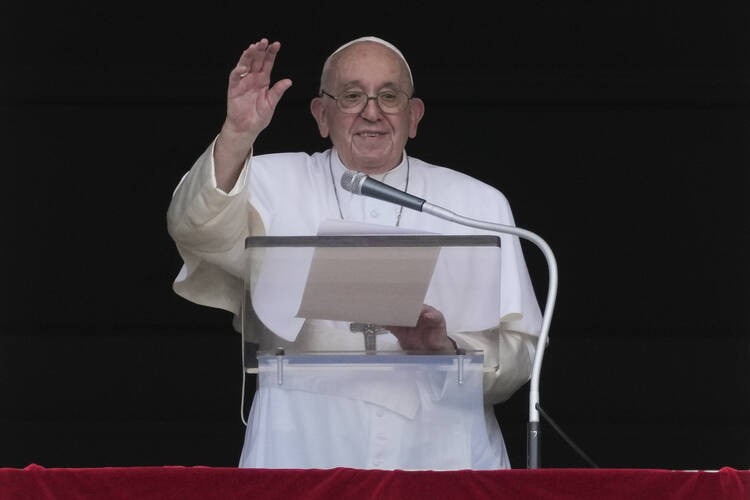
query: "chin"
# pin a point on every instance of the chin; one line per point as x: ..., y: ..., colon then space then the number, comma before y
x: 374, y: 165
x: 378, y: 160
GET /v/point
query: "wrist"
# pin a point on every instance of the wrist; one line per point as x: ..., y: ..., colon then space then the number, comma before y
x: 236, y: 140
x: 230, y: 155
x: 453, y: 344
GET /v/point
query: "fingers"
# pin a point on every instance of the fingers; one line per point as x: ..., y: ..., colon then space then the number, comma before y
x: 270, y: 56
x: 256, y: 53
x: 429, y: 316
x: 429, y: 334
x: 257, y: 59
x: 275, y: 92
x: 244, y: 65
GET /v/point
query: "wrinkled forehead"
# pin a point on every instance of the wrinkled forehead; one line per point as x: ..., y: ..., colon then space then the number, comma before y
x: 340, y: 52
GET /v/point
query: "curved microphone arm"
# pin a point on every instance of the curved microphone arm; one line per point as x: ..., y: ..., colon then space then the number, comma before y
x: 360, y: 183
x: 532, y: 457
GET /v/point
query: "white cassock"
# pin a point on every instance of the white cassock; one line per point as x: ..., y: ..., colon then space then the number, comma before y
x: 289, y: 194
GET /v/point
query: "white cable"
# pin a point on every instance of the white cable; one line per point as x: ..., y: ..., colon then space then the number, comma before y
x: 242, y: 342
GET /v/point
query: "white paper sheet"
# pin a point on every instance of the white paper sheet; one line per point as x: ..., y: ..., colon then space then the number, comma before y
x: 378, y: 285
x: 384, y: 286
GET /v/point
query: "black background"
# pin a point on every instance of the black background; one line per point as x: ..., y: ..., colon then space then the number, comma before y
x: 618, y: 131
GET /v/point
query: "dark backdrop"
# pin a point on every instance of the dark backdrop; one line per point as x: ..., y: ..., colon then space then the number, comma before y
x: 619, y: 133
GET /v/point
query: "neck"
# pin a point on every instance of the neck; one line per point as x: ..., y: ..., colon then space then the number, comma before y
x: 336, y: 191
x: 372, y: 169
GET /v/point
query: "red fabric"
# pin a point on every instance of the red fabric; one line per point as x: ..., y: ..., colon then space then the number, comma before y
x: 205, y: 483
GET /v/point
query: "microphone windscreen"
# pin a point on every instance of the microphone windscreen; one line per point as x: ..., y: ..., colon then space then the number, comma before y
x: 352, y: 181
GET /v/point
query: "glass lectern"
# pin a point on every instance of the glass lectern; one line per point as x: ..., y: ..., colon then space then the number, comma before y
x: 334, y: 388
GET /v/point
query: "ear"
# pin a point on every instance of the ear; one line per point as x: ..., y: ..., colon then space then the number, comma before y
x: 318, y: 110
x: 416, y: 112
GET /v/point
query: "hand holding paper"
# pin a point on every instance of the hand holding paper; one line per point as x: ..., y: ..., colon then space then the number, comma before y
x: 429, y: 334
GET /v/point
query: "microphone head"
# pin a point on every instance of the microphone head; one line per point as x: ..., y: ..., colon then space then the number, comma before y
x: 352, y: 181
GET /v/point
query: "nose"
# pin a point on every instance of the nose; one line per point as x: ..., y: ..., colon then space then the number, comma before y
x: 371, y: 111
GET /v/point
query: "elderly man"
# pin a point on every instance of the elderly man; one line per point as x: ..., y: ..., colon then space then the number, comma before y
x: 367, y: 108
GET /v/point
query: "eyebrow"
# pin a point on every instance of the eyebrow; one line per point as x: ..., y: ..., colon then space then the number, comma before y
x: 357, y: 83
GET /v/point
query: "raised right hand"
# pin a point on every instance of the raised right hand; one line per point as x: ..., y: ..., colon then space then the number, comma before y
x: 250, y: 99
x: 251, y: 103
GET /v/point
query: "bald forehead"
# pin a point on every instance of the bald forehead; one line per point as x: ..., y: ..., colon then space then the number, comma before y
x: 349, y: 62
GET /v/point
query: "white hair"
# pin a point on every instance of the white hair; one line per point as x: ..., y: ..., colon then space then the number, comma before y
x: 327, y: 64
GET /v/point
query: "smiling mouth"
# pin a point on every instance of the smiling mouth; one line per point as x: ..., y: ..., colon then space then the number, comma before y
x: 370, y: 134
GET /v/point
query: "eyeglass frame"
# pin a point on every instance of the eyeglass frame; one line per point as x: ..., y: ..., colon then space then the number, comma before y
x: 367, y: 101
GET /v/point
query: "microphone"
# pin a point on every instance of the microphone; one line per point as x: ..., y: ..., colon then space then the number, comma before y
x: 360, y: 183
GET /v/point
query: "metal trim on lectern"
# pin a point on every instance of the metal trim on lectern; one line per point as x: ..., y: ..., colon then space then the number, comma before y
x: 416, y: 240
x: 342, y: 359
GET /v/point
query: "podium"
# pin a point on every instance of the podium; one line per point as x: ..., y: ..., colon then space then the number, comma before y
x: 333, y: 387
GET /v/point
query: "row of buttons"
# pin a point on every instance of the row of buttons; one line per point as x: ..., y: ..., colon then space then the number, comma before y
x: 379, y: 436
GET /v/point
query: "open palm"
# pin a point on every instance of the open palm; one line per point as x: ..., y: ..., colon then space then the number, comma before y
x: 251, y: 100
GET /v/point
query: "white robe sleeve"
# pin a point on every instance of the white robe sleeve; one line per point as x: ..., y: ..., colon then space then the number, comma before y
x: 510, y: 356
x: 209, y: 228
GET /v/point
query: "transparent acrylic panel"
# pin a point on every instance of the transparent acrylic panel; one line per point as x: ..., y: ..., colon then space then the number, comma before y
x: 384, y: 411
x: 331, y: 293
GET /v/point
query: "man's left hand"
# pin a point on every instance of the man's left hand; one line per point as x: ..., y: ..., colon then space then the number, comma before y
x: 429, y: 334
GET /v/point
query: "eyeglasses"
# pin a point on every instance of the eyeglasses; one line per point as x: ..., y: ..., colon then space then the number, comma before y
x: 354, y: 101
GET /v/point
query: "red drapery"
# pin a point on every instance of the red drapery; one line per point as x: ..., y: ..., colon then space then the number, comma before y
x: 186, y: 483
